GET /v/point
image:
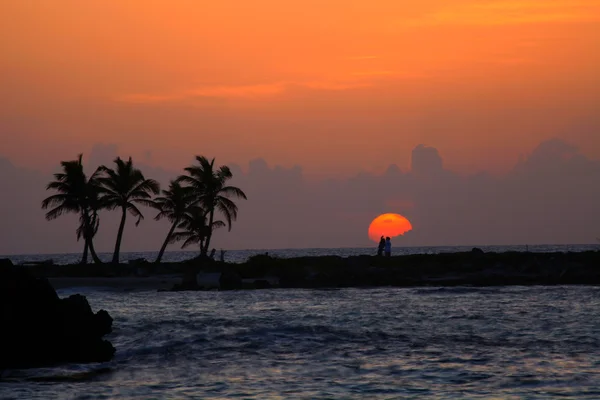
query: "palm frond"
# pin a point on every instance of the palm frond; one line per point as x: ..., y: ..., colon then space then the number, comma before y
x: 229, y: 216
x: 191, y: 240
x: 58, y: 211
x: 57, y: 199
x: 144, y: 188
x: 233, y: 192
x: 218, y: 224
x: 145, y: 202
x: 162, y: 214
x: 135, y: 212
x: 191, y: 180
x: 179, y: 236
x: 224, y: 173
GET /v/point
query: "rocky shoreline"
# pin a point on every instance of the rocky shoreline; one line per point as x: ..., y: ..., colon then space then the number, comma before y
x: 40, y: 329
x: 474, y: 268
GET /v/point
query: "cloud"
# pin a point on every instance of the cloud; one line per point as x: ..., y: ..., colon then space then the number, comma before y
x: 513, y: 12
x: 239, y: 92
x: 550, y: 196
x: 374, y: 73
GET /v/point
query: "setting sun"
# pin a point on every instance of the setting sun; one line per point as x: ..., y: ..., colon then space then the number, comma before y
x: 388, y: 225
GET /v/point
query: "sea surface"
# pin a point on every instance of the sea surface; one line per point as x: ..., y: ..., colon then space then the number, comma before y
x: 238, y: 256
x: 387, y: 343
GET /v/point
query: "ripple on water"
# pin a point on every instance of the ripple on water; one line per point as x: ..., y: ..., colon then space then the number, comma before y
x: 505, y: 342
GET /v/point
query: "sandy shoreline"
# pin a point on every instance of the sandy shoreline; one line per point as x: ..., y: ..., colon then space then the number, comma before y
x: 119, y: 283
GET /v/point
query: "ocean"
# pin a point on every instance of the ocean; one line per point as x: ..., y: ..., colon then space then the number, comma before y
x: 387, y: 343
x: 238, y: 256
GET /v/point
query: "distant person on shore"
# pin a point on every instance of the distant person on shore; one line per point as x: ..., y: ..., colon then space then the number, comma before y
x: 388, y: 247
x: 381, y: 247
x: 212, y: 254
x: 222, y: 255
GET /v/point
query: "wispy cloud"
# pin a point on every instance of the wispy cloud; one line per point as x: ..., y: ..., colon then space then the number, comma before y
x: 237, y: 92
x: 374, y: 73
x: 513, y: 12
x: 391, y: 74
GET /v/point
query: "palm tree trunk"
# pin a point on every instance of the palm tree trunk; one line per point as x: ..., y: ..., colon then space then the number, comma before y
x: 89, y: 240
x: 84, y: 257
x: 164, y: 246
x: 210, y: 229
x: 95, y: 257
x: 115, y: 259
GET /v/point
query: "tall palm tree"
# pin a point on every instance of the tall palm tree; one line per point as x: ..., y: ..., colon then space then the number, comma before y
x: 91, y: 222
x: 212, y: 192
x: 76, y: 194
x: 194, y: 228
x: 123, y: 188
x: 88, y: 225
x: 172, y: 205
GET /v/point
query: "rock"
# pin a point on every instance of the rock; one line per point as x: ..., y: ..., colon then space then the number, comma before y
x: 262, y: 284
x: 40, y: 329
x: 230, y: 280
x: 208, y: 280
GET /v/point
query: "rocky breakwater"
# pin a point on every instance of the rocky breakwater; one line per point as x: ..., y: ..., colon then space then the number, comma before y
x: 37, y: 328
x: 474, y: 268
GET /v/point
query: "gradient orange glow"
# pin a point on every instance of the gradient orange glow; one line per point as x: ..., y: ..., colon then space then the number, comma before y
x: 300, y: 81
x: 389, y: 224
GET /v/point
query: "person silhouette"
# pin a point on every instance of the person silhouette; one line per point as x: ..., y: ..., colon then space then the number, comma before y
x: 381, y: 246
x: 388, y: 247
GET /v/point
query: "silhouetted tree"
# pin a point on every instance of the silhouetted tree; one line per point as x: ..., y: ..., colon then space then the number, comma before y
x: 76, y: 194
x: 89, y: 226
x: 194, y: 228
x: 172, y: 205
x: 212, y: 193
x: 123, y: 188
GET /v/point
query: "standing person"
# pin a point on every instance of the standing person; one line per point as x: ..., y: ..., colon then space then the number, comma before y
x: 381, y: 246
x: 388, y: 247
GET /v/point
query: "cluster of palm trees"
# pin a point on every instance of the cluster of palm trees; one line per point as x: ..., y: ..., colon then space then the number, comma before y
x: 191, y: 203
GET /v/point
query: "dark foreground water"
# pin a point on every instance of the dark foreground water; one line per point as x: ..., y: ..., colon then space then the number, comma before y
x: 507, y: 342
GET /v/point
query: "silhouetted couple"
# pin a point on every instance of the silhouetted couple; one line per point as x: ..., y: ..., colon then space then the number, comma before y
x: 385, y: 245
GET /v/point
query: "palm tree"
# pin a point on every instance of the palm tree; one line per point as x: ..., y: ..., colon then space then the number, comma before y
x: 212, y: 192
x: 123, y: 188
x: 76, y: 194
x: 173, y: 205
x: 194, y: 228
x: 84, y: 230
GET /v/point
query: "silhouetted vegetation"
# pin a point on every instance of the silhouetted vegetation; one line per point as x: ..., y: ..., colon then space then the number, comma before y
x: 122, y: 188
x: 191, y: 203
x: 211, y: 193
x: 172, y: 205
x: 76, y: 194
x: 194, y: 228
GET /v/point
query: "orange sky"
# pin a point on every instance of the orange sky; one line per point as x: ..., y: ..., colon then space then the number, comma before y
x: 335, y: 86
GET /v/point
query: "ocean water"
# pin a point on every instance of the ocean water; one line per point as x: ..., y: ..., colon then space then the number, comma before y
x: 451, y: 343
x: 242, y: 255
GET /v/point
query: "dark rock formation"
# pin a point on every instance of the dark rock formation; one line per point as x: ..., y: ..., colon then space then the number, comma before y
x: 37, y: 328
x: 475, y: 267
x: 230, y: 280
